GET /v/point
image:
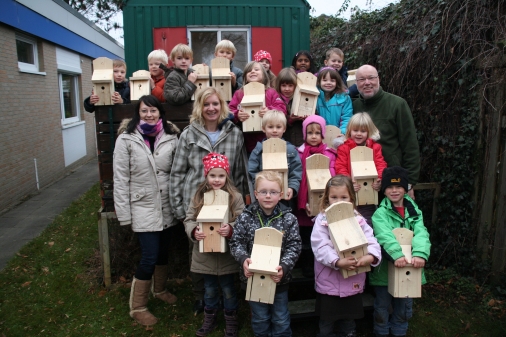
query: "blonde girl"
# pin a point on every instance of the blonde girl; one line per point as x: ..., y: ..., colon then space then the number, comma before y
x: 361, y: 131
x: 218, y: 269
x: 338, y: 299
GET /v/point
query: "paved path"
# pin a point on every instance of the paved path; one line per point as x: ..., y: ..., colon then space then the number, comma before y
x: 27, y: 220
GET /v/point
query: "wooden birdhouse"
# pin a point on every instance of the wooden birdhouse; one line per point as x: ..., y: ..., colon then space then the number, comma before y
x: 265, y: 257
x: 252, y: 103
x: 346, y: 234
x: 352, y: 79
x: 404, y: 282
x: 202, y: 81
x: 363, y: 171
x: 274, y: 159
x: 211, y: 216
x: 331, y: 133
x: 318, y: 174
x: 139, y: 84
x: 103, y: 80
x: 305, y: 95
x: 221, y: 78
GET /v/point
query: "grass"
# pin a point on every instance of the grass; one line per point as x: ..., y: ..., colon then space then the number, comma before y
x: 52, y: 287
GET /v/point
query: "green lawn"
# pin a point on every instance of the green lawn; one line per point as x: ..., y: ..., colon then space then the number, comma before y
x: 52, y: 288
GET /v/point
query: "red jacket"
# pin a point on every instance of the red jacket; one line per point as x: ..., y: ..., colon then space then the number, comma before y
x: 343, y: 163
x: 158, y: 89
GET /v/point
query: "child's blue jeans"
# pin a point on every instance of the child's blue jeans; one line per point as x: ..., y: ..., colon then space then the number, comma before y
x: 212, y: 293
x: 271, y: 320
x: 397, y: 322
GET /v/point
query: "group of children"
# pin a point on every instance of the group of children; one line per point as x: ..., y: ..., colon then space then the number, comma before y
x: 339, y: 301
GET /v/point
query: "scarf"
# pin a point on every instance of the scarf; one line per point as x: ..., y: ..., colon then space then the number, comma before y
x: 303, y: 189
x: 150, y: 130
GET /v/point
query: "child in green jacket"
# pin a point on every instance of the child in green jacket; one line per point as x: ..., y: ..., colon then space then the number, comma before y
x: 397, y: 210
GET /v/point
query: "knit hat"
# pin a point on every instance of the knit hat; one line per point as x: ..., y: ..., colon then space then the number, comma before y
x: 313, y: 119
x: 262, y: 54
x: 394, y: 175
x: 213, y: 160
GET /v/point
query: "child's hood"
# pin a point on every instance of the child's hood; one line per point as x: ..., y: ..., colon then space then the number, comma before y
x: 341, y: 140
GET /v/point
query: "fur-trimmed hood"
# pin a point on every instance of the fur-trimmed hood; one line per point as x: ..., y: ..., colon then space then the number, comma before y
x: 124, y: 123
x: 341, y: 140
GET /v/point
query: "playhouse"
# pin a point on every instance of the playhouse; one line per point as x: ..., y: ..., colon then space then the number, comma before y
x: 278, y: 26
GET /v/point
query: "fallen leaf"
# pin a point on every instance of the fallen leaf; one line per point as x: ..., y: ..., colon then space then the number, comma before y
x: 102, y: 293
x: 26, y: 284
x: 67, y: 250
x: 50, y: 244
x: 491, y: 303
x: 45, y: 270
x: 21, y: 255
x: 468, y: 325
x: 122, y: 279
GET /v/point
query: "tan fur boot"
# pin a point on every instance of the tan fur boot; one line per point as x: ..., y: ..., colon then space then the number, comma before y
x: 158, y: 287
x: 139, y: 295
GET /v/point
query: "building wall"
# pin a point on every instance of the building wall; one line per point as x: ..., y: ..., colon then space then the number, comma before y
x: 141, y: 16
x: 30, y: 121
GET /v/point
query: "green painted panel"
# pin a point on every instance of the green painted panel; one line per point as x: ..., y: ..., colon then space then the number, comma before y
x: 141, y: 16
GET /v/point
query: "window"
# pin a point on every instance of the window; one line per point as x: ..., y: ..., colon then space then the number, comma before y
x: 27, y: 54
x: 204, y: 40
x: 69, y: 98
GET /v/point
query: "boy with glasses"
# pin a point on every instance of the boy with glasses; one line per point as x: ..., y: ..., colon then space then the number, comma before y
x: 267, y: 211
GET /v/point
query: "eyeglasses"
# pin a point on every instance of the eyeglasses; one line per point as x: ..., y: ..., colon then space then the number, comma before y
x: 264, y: 193
x: 370, y: 79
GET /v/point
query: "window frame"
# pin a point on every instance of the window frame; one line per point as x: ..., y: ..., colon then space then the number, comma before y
x: 29, y: 67
x: 72, y: 120
x: 219, y: 30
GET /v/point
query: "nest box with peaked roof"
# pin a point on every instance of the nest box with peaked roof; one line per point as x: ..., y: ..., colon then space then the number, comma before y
x: 404, y: 282
x: 363, y: 171
x: 274, y: 159
x: 331, y: 133
x: 202, y: 82
x: 213, y: 213
x: 346, y: 234
x: 265, y: 257
x: 252, y: 103
x: 305, y: 95
x: 103, y: 80
x: 318, y: 174
x: 352, y: 79
x: 221, y: 78
x: 139, y: 84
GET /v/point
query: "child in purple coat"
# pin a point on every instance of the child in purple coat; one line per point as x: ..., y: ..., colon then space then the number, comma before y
x: 338, y: 299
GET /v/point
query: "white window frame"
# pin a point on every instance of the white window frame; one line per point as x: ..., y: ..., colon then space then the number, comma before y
x: 220, y: 29
x: 29, y: 67
x: 72, y: 120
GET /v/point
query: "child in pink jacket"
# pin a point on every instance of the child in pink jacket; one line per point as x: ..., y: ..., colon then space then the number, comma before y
x: 338, y: 299
x: 255, y: 72
x: 313, y: 132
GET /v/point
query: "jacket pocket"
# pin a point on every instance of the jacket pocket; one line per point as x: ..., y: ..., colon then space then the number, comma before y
x: 137, y: 195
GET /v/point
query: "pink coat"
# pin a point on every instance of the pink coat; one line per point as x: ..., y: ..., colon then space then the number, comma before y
x: 328, y: 278
x: 329, y: 152
x: 272, y: 102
